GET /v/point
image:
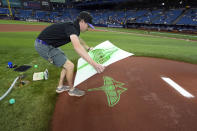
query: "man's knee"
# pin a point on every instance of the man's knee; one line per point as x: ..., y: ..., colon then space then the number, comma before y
x: 68, y: 65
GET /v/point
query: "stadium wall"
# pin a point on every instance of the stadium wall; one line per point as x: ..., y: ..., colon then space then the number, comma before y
x: 189, y: 29
x: 0, y: 3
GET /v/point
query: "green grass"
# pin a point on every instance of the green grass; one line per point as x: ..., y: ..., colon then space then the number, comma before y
x: 154, y: 33
x: 36, y: 100
x: 179, y: 50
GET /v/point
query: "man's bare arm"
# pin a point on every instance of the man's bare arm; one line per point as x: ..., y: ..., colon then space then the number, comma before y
x: 83, y: 53
x: 83, y: 43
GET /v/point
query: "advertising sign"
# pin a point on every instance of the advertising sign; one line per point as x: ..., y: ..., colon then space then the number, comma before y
x: 32, y: 5
x: 13, y: 3
x: 45, y: 3
x: 58, y: 1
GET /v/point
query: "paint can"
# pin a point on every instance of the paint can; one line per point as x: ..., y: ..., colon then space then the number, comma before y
x: 10, y: 65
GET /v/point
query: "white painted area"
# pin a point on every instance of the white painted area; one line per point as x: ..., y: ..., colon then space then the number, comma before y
x: 177, y: 87
x: 88, y: 71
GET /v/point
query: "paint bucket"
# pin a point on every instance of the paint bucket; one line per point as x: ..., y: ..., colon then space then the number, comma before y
x: 10, y: 65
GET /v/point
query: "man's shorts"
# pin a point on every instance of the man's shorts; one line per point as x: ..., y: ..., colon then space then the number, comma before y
x: 54, y: 55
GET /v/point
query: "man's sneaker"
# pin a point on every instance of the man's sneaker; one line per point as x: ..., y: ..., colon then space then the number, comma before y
x: 62, y: 89
x: 76, y: 92
x: 46, y: 74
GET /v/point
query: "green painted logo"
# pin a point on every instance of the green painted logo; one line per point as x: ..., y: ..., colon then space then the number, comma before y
x: 100, y: 55
x: 113, y: 89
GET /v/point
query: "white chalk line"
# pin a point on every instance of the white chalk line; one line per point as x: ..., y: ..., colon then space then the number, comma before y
x: 177, y: 87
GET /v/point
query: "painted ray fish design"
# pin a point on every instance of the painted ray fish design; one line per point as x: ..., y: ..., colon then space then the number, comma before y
x: 112, y: 89
x: 100, y: 55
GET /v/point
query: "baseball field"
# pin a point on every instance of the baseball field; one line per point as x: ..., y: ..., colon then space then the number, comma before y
x: 35, y: 100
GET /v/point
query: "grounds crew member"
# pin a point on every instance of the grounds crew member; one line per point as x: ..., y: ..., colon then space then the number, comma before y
x: 59, y: 34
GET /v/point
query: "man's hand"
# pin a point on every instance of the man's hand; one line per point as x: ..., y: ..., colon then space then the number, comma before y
x: 82, y: 52
x: 99, y: 68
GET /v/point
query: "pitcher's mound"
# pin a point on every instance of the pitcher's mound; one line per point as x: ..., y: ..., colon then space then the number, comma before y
x: 131, y: 96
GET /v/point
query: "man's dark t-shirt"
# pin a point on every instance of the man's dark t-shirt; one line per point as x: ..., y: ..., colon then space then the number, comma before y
x: 59, y: 34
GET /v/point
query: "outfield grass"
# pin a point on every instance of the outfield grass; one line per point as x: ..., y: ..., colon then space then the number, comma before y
x: 35, y: 101
x: 154, y: 33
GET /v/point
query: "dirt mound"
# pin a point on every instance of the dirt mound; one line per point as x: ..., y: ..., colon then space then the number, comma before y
x: 20, y: 28
x: 131, y: 96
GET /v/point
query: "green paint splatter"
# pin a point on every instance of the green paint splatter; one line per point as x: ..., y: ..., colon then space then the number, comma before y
x: 100, y: 55
x: 113, y: 89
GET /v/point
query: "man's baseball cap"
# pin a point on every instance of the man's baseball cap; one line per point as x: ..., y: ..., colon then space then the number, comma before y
x: 86, y: 17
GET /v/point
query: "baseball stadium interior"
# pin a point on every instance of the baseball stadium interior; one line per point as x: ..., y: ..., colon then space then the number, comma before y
x: 161, y: 15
